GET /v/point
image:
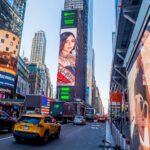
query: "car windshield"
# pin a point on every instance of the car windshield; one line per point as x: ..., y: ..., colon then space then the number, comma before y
x: 32, y: 120
x: 79, y: 117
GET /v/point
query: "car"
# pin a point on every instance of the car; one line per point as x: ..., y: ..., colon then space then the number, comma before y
x: 36, y: 127
x: 79, y: 120
x: 6, y: 121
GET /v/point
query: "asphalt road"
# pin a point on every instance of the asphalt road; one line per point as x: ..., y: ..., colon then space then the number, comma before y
x: 72, y: 137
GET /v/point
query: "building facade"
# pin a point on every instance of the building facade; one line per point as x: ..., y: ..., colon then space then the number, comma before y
x: 74, y: 4
x: 38, y: 48
x: 85, y: 10
x: 22, y: 85
x: 12, y: 19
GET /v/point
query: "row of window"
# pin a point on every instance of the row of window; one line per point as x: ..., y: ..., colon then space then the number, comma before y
x: 7, y: 36
x: 11, y: 43
x: 7, y: 49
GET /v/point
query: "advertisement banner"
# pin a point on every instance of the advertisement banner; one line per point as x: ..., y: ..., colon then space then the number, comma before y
x: 9, y: 50
x: 139, y: 94
x: 67, y: 57
x: 22, y: 86
x: 116, y: 97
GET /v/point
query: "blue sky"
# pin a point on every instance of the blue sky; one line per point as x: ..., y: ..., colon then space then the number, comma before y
x: 46, y: 15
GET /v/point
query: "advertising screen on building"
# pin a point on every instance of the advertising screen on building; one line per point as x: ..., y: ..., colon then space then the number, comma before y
x: 139, y: 93
x: 67, y: 57
x: 69, y: 19
x: 22, y: 86
x: 9, y: 50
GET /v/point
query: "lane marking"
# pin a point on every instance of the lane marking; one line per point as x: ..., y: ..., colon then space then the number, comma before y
x: 6, y: 138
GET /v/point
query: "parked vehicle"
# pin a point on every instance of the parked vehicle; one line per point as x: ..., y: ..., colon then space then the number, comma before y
x: 6, y: 122
x: 36, y: 127
x: 38, y: 103
x: 62, y: 111
x: 79, y: 120
x: 89, y: 114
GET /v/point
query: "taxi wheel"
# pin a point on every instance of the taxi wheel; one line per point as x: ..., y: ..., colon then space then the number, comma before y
x: 46, y: 138
x: 58, y: 133
x: 17, y: 139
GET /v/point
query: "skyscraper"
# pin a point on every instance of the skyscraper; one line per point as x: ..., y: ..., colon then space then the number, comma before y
x: 85, y: 9
x: 38, y: 48
x: 74, y: 4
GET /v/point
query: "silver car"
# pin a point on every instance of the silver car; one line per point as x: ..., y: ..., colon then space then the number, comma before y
x: 79, y: 120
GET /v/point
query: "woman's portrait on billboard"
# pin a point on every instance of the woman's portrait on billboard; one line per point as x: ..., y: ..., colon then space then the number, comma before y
x: 142, y: 92
x: 67, y: 55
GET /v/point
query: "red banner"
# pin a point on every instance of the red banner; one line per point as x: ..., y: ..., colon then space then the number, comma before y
x: 115, y: 96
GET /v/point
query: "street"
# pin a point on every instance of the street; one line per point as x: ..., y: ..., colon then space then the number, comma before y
x: 72, y: 137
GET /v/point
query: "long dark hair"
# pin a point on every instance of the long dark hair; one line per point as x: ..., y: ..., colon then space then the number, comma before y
x: 63, y: 38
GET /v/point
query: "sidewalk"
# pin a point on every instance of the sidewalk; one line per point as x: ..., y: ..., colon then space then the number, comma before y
x: 109, y: 137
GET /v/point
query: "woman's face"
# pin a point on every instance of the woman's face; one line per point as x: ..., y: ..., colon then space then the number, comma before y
x: 69, y: 44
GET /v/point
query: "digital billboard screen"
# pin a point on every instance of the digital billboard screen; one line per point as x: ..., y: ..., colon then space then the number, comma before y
x: 69, y: 19
x: 9, y: 50
x: 22, y: 86
x: 139, y: 93
x: 67, y: 57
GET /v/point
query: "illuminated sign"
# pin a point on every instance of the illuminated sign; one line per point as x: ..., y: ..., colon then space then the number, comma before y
x: 65, y: 93
x: 7, y: 80
x: 9, y: 51
x: 67, y: 58
x: 69, y: 19
x: 22, y: 86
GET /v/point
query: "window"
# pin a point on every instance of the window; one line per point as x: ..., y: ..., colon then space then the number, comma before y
x: 2, y: 40
x: 14, y: 38
x: 16, y: 46
x: 32, y: 120
x: 14, y: 52
x: 47, y: 120
x: 7, y: 36
x: 11, y: 43
x: 7, y: 49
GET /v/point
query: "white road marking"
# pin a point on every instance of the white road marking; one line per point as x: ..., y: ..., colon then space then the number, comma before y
x: 6, y: 138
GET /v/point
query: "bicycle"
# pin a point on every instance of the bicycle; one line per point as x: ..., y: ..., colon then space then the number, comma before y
x: 109, y: 146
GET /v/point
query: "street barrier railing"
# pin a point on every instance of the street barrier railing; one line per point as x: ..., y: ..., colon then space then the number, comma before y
x: 119, y: 139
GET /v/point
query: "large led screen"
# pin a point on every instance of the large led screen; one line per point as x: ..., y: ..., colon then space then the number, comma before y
x: 22, y: 86
x: 9, y: 50
x: 67, y: 57
x: 139, y: 94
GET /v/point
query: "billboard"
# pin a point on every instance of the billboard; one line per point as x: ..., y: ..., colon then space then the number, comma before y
x: 67, y: 57
x: 22, y: 86
x: 116, y: 97
x: 9, y: 50
x: 139, y: 93
x: 69, y: 19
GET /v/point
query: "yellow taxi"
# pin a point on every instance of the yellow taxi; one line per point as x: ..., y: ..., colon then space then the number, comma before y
x: 101, y: 118
x: 37, y: 127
